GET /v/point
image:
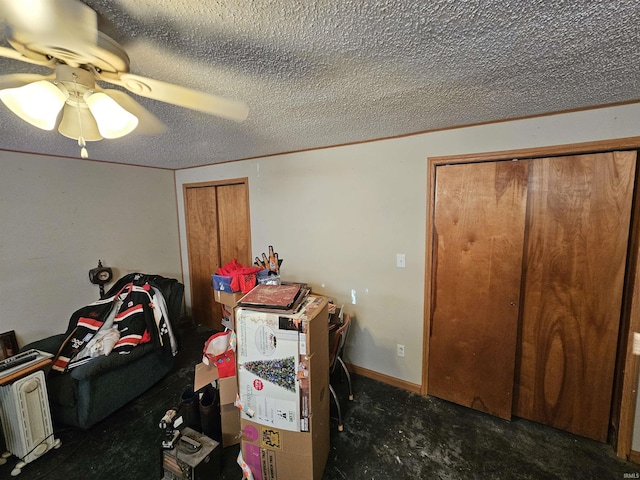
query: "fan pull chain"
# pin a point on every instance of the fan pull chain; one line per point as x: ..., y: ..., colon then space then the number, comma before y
x: 81, y: 141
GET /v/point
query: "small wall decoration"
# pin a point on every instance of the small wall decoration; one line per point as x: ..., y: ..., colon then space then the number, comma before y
x: 271, y: 263
x: 8, y: 344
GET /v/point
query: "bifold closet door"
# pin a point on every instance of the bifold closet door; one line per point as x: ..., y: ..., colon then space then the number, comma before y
x: 218, y: 230
x: 479, y: 220
x: 233, y: 224
x: 201, y: 207
x: 578, y: 232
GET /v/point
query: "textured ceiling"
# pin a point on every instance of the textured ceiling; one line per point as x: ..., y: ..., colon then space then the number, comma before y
x: 329, y: 72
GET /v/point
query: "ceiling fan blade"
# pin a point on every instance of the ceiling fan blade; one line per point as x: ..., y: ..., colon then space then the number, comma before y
x: 76, y: 120
x: 148, y: 122
x: 181, y: 96
x: 62, y: 24
x: 15, y: 55
x: 14, y: 80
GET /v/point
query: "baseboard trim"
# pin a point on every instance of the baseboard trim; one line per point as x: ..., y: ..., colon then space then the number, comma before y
x: 634, y: 456
x: 381, y: 377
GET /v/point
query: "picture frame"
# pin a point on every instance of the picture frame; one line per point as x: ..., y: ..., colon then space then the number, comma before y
x: 8, y: 344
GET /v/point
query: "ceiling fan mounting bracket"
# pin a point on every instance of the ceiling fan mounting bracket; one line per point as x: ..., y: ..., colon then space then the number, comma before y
x: 75, y: 82
x: 74, y: 75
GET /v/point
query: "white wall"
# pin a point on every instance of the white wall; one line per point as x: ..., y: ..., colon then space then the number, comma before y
x: 59, y: 216
x: 338, y: 217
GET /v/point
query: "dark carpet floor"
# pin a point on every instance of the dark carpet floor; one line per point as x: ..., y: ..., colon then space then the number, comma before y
x: 389, y: 434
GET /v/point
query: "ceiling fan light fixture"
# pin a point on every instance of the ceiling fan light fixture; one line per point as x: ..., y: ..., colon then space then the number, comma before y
x: 78, y: 121
x: 38, y: 103
x: 113, y: 120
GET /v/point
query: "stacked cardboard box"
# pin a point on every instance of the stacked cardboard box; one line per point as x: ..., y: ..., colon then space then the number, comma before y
x: 228, y: 389
x: 283, y: 376
x: 228, y: 302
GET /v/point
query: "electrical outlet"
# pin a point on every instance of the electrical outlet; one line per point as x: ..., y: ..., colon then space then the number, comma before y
x: 400, y: 350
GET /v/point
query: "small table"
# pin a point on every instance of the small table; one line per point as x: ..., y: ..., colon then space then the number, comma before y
x: 43, y: 364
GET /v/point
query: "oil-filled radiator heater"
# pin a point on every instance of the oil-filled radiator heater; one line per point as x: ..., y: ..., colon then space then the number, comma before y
x: 26, y: 421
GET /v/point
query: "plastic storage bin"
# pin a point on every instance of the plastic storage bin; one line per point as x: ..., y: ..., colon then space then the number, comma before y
x: 222, y: 283
x: 265, y: 279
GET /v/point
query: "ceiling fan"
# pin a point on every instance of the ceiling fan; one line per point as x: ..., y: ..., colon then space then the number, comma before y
x: 63, y: 35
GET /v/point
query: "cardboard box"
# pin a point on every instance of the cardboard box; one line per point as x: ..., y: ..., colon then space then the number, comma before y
x: 282, y: 360
x: 274, y: 454
x: 228, y: 389
x: 228, y: 302
x: 228, y: 319
x: 229, y: 299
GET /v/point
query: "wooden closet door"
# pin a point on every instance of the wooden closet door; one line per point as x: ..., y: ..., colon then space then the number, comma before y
x: 478, y: 246
x: 201, y: 217
x: 233, y: 224
x: 218, y: 230
x: 578, y: 232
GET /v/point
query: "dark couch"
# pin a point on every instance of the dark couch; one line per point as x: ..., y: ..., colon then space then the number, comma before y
x: 91, y: 392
